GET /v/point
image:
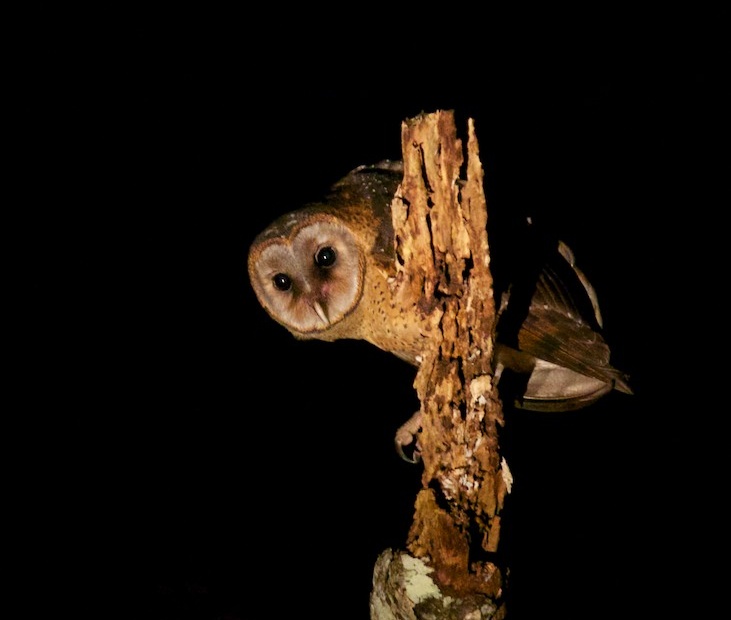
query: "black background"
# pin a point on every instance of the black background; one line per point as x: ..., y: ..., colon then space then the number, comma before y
x: 190, y: 459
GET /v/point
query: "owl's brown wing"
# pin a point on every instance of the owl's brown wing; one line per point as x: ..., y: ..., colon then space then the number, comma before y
x: 549, y: 334
x: 549, y: 313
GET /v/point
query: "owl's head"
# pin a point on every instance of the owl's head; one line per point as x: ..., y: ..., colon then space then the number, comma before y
x: 307, y: 271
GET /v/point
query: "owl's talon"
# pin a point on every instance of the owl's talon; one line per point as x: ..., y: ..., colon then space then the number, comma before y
x: 415, y: 456
x: 406, y: 436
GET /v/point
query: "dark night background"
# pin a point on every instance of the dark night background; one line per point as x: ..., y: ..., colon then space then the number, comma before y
x: 190, y: 459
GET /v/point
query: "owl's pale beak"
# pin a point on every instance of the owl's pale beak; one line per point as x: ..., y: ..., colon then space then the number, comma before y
x: 320, y: 312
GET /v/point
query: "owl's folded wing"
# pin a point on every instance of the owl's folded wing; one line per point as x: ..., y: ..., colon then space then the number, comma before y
x: 552, y: 315
x: 550, y: 335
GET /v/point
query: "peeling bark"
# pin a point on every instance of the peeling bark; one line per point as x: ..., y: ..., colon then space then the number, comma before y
x: 440, y: 230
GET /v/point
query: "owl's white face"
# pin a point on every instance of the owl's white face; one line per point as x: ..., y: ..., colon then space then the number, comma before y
x: 309, y: 280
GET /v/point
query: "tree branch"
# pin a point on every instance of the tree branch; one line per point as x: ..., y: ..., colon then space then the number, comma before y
x: 443, y: 261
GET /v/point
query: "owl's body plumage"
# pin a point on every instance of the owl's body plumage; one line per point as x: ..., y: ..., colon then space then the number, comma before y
x: 326, y: 272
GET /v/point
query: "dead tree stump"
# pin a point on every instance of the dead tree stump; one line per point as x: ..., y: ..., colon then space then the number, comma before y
x: 451, y: 570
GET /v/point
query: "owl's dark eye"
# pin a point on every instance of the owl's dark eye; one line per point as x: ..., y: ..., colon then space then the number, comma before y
x: 282, y: 281
x: 325, y: 257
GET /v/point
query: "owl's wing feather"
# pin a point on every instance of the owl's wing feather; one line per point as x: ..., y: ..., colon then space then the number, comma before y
x: 550, y: 335
x: 552, y: 314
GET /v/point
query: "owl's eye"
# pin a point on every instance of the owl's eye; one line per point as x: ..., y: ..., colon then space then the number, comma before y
x: 325, y: 257
x: 282, y: 281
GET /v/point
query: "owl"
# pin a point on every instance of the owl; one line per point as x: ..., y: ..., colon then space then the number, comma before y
x: 325, y: 272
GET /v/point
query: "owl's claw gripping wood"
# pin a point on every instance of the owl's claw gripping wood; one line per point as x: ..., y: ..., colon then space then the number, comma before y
x: 406, y: 435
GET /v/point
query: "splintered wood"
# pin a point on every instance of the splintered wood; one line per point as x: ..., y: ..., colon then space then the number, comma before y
x: 440, y: 224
